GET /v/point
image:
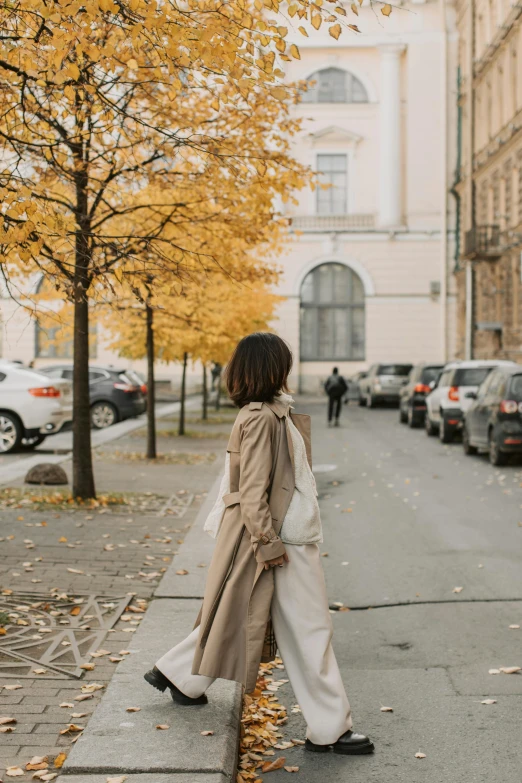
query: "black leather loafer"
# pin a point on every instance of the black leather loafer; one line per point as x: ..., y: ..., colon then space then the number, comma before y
x: 158, y: 680
x: 349, y: 744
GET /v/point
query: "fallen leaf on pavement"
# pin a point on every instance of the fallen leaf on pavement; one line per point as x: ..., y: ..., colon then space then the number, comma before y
x: 510, y: 669
x: 78, y: 714
x: 4, y: 721
x: 120, y: 779
x: 206, y: 733
x: 80, y: 697
x: 75, y: 611
x: 133, y: 709
x: 271, y: 766
x: 74, y: 571
x: 71, y: 728
x: 386, y: 709
x: 292, y: 769
x: 7, y: 729
x: 162, y: 726
x: 512, y: 627
x: 40, y: 671
x: 33, y: 765
x: 182, y: 572
x: 489, y: 701
x: 14, y: 772
x: 99, y: 653
x: 89, y: 667
x: 298, y: 742
x: 66, y: 704
x: 420, y: 755
x: 494, y: 671
x: 15, y: 687
x: 458, y: 589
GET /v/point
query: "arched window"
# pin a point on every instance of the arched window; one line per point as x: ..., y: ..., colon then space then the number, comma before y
x: 332, y: 314
x: 333, y: 85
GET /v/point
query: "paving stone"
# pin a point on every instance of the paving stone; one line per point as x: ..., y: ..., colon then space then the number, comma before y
x: 104, y: 571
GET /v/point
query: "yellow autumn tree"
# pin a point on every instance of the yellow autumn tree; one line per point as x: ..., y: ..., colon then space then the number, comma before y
x: 102, y: 100
x: 201, y: 317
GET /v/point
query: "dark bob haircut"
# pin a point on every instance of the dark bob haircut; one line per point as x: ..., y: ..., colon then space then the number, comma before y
x: 259, y: 369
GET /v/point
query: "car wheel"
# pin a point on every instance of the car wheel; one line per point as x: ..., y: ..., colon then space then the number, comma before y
x: 446, y: 431
x: 362, y: 401
x: 413, y: 420
x: 103, y: 415
x: 28, y: 444
x: 466, y: 445
x: 403, y: 417
x: 496, y: 456
x: 10, y: 433
x: 430, y: 428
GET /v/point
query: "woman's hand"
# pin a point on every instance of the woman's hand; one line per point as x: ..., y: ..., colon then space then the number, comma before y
x: 277, y: 561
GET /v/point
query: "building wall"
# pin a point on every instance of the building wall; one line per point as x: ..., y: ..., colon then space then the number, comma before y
x: 396, y: 232
x: 491, y: 174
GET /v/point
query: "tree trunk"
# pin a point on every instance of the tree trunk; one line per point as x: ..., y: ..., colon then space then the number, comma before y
x: 83, y: 475
x: 204, y: 414
x: 218, y: 392
x: 181, y: 429
x: 151, y: 390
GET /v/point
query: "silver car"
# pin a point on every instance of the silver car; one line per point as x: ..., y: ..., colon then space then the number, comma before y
x: 383, y: 383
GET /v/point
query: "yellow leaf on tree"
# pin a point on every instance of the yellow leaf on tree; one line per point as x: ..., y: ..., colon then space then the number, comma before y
x: 317, y: 21
x: 386, y: 9
x: 335, y: 31
x: 294, y: 51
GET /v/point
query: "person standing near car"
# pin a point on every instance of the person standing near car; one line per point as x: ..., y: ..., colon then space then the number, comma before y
x: 335, y: 387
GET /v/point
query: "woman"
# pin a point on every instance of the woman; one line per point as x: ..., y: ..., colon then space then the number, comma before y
x: 266, y: 564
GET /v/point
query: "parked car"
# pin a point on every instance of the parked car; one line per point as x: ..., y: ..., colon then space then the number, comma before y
x: 354, y: 391
x: 32, y: 406
x: 447, y: 403
x: 493, y: 422
x: 383, y: 383
x: 115, y: 395
x: 412, y: 402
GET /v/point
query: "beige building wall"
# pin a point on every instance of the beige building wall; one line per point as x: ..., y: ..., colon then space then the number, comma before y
x: 395, y: 230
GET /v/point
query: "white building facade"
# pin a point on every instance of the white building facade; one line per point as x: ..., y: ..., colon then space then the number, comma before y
x: 368, y: 275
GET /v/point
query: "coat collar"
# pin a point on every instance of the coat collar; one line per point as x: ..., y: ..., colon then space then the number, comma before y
x: 281, y: 408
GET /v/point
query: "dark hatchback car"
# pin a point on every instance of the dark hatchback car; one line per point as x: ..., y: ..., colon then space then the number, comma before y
x: 493, y: 423
x: 115, y: 395
x: 412, y: 403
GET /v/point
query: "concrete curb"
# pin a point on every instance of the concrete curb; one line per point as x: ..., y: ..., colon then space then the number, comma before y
x: 119, y: 742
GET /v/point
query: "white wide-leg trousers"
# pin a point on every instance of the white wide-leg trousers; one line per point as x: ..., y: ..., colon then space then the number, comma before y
x: 303, y: 630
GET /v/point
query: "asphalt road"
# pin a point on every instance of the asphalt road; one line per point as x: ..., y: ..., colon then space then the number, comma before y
x: 424, y: 545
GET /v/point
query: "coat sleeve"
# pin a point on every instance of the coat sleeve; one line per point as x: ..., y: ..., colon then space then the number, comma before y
x: 254, y: 481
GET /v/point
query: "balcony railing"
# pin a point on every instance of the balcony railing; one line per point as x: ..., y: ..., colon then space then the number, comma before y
x: 332, y: 222
x: 483, y: 243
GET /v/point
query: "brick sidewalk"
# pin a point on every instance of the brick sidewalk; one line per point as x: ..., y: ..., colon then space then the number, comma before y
x: 77, y: 581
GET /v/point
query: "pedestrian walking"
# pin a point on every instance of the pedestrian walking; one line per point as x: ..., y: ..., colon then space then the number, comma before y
x: 335, y: 387
x: 265, y: 588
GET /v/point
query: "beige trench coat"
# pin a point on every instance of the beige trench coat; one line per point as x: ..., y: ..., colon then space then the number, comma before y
x: 238, y: 593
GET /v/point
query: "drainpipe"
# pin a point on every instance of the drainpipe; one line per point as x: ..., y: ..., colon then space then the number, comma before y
x: 469, y: 311
x: 444, y: 194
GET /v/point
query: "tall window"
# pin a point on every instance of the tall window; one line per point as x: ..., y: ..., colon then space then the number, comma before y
x: 333, y: 85
x: 332, y: 314
x: 333, y: 171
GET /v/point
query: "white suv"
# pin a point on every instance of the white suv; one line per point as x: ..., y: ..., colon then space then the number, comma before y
x: 32, y: 406
x: 446, y: 404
